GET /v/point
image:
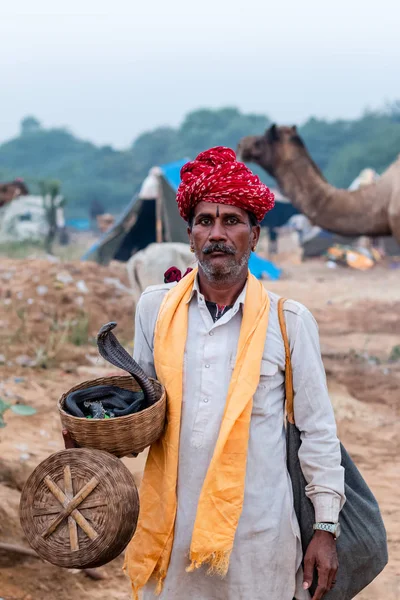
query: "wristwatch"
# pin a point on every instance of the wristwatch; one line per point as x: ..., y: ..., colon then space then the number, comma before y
x: 333, y: 528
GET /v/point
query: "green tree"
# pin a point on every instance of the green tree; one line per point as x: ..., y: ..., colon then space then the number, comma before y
x: 50, y: 191
x: 30, y: 125
x: 341, y: 149
x: 154, y: 147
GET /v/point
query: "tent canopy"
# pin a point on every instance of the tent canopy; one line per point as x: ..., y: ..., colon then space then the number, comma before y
x: 135, y: 229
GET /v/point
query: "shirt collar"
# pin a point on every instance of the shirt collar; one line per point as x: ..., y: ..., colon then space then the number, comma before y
x: 196, y: 290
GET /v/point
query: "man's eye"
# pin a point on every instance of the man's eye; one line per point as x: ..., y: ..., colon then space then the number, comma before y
x: 232, y: 220
x: 204, y: 221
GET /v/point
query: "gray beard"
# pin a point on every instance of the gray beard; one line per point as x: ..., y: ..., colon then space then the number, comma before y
x: 230, y: 271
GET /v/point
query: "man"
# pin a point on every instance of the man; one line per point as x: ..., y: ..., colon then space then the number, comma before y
x: 217, y: 520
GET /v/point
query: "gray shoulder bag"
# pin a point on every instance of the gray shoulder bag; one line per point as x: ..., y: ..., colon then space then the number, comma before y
x: 362, y: 545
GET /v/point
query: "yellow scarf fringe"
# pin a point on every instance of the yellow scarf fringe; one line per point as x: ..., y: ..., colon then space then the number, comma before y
x: 218, y: 562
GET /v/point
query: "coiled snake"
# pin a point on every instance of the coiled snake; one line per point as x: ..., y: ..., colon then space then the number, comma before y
x: 116, y: 400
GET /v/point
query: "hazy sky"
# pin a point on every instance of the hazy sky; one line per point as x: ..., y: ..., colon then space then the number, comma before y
x: 111, y: 69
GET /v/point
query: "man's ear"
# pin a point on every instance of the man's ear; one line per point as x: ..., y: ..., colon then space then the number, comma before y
x: 189, y: 232
x: 256, y: 230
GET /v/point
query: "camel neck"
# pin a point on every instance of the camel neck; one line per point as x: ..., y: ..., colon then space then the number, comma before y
x: 306, y: 188
x: 337, y: 210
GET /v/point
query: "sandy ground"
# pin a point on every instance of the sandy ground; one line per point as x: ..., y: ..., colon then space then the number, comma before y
x: 358, y: 314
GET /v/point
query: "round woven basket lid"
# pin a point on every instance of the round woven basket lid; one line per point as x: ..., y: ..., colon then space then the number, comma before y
x: 79, y: 508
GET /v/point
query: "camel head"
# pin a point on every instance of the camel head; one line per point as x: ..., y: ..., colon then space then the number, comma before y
x: 278, y: 146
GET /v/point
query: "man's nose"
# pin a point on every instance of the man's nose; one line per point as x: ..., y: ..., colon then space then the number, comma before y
x: 218, y: 232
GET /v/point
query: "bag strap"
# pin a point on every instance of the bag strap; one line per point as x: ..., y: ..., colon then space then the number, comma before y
x: 289, y: 392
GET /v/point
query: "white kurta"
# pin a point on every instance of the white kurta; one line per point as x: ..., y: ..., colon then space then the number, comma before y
x: 266, y: 560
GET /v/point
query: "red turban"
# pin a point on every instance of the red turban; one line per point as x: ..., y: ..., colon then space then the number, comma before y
x: 216, y: 176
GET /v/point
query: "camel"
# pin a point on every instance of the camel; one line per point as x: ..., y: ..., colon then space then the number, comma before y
x: 372, y: 210
x: 147, y: 267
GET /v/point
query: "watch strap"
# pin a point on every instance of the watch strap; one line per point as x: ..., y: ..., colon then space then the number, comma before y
x: 329, y: 527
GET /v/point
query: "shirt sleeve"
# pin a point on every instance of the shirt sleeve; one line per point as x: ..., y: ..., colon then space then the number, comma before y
x: 319, y: 454
x: 142, y: 345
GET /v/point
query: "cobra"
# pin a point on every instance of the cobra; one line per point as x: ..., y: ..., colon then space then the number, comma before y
x: 120, y: 401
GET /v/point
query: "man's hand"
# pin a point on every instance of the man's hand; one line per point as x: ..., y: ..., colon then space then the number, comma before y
x: 68, y: 441
x: 321, y: 555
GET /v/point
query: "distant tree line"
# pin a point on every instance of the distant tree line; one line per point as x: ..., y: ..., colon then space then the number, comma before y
x: 90, y: 173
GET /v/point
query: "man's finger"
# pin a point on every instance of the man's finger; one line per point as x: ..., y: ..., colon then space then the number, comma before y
x: 68, y: 441
x: 322, y: 588
x: 319, y: 592
x: 332, y: 577
x: 308, y: 572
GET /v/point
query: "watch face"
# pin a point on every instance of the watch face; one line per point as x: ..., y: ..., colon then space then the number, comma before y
x: 338, y: 530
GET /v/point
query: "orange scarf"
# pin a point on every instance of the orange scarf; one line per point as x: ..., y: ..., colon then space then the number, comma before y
x: 221, y: 499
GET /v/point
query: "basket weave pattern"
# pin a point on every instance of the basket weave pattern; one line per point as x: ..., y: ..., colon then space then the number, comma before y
x: 102, y: 524
x: 120, y: 435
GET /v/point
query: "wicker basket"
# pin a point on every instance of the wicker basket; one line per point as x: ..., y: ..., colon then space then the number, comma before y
x: 79, y: 508
x: 121, y: 435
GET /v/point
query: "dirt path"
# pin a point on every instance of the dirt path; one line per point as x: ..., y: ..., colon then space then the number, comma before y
x: 359, y: 326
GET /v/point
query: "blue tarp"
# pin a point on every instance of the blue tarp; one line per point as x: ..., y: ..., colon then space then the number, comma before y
x: 172, y: 172
x: 80, y: 224
x: 260, y: 267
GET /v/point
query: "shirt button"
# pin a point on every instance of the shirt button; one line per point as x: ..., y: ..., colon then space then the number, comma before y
x: 211, y: 333
x: 207, y: 366
x: 205, y: 400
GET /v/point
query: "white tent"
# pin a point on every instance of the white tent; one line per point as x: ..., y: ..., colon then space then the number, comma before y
x: 24, y: 219
x: 366, y: 177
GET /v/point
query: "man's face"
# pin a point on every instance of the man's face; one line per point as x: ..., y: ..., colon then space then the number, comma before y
x: 222, y: 239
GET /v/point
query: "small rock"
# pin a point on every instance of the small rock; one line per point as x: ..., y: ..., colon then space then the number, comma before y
x: 2, y: 359
x: 68, y: 367
x: 79, y: 300
x: 30, y: 301
x: 24, y: 361
x: 52, y: 259
x: 82, y: 287
x: 22, y: 447
x: 114, y: 281
x: 42, y: 290
x: 64, y: 277
x: 20, y: 295
x: 7, y: 276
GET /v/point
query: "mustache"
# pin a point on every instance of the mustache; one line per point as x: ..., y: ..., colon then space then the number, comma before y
x: 218, y: 247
